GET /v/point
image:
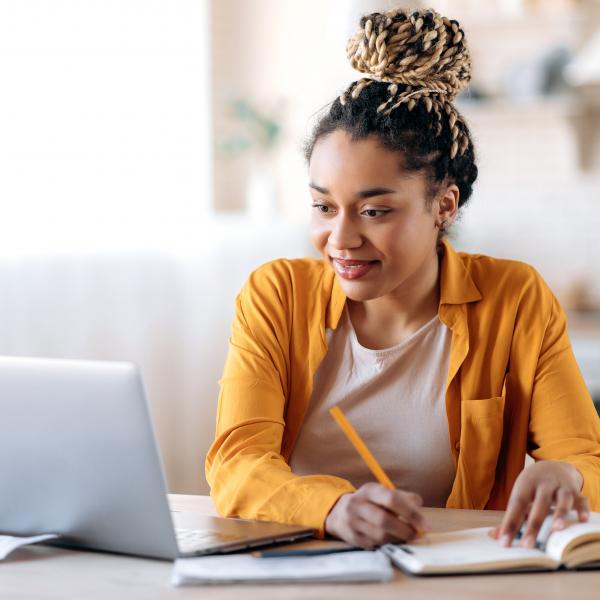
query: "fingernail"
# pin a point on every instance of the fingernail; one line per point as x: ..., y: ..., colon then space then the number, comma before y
x: 559, y: 523
x: 505, y: 540
x: 528, y: 541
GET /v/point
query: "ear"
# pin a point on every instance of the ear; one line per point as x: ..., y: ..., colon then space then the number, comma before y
x: 446, y: 206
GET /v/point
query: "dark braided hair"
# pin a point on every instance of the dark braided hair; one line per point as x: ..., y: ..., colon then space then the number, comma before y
x: 417, y: 65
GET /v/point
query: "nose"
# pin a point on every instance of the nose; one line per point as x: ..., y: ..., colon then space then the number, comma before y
x: 344, y: 233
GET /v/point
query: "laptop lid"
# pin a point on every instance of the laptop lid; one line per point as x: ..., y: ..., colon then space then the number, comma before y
x: 78, y: 457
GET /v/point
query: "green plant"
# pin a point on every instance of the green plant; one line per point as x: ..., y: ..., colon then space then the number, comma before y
x: 253, y: 130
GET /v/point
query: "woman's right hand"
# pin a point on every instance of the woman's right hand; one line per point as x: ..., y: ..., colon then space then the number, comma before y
x: 375, y: 515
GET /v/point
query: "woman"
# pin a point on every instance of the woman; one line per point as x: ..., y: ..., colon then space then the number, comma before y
x: 451, y: 366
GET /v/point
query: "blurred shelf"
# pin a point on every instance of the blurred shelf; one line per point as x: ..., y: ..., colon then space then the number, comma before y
x: 584, y: 331
x: 526, y: 20
x: 537, y: 108
x: 585, y: 324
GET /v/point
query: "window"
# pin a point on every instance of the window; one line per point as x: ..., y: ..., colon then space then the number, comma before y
x: 104, y: 114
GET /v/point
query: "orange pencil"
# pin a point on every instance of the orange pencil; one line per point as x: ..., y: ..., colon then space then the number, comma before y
x: 362, y: 449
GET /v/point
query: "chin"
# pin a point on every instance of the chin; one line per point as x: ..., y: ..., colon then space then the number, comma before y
x: 358, y: 291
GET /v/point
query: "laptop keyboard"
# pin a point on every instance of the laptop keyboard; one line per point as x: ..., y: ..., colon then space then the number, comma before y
x: 192, y: 540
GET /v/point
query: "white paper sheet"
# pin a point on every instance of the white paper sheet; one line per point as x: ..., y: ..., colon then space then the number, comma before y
x: 245, y: 568
x: 9, y: 543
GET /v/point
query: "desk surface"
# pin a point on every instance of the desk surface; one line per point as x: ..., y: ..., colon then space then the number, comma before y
x: 44, y: 572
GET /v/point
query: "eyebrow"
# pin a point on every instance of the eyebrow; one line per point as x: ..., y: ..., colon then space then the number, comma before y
x: 376, y: 191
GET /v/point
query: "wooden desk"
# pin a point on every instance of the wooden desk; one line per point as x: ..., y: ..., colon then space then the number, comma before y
x: 44, y: 572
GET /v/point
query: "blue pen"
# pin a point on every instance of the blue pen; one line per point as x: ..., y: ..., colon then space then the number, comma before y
x: 300, y: 552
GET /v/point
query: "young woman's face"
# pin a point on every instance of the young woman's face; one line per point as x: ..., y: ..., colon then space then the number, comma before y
x: 369, y: 218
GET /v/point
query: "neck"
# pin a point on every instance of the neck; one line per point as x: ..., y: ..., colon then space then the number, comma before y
x: 413, y: 304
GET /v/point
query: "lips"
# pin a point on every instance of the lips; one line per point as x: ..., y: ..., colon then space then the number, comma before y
x: 352, y: 269
x: 352, y: 263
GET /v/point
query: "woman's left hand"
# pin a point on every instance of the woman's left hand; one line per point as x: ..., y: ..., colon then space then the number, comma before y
x: 540, y: 486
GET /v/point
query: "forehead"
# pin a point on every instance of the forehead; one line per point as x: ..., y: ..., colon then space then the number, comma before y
x: 338, y: 155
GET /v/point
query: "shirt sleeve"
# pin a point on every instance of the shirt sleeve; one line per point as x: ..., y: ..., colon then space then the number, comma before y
x: 248, y: 475
x: 564, y: 424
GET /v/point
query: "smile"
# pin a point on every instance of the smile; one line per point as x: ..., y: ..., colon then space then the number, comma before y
x: 352, y: 269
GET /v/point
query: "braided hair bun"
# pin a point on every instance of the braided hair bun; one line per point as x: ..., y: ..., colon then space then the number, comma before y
x: 422, y: 49
x: 422, y: 55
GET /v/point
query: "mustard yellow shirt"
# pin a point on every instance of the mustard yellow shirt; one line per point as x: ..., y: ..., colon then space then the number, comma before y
x: 513, y: 387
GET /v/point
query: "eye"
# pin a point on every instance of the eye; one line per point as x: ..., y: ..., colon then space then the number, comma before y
x: 375, y: 212
x: 322, y: 208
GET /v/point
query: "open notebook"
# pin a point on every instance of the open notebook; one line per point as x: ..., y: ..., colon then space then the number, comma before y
x: 472, y: 551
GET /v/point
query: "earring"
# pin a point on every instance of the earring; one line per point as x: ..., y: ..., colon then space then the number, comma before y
x: 442, y: 225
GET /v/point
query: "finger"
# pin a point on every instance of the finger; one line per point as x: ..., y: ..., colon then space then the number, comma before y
x: 494, y: 533
x: 357, y: 528
x: 364, y: 537
x: 564, y: 503
x: 580, y: 504
x: 378, y: 535
x: 416, y: 521
x: 405, y: 505
x: 515, y: 514
x: 539, y: 511
x: 383, y: 526
x: 356, y: 536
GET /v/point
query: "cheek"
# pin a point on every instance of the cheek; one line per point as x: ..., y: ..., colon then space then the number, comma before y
x: 413, y: 229
x: 392, y: 243
x: 401, y: 240
x: 318, y: 233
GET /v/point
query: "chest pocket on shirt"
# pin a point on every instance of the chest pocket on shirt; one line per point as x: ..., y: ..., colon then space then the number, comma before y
x: 480, y: 443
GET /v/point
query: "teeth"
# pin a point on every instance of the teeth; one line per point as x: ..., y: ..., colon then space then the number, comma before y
x: 353, y: 267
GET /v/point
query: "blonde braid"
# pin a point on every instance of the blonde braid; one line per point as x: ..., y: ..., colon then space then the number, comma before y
x: 425, y: 59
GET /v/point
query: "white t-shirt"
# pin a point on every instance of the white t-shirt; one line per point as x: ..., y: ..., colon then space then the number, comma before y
x: 395, y: 399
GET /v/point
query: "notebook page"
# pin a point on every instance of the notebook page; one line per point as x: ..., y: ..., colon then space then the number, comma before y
x: 560, y: 542
x: 464, y: 551
x: 9, y: 543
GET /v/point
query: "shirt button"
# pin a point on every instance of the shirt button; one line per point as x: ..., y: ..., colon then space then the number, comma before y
x: 457, y: 445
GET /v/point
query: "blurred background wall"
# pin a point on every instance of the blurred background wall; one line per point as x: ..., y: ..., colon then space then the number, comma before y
x: 151, y: 157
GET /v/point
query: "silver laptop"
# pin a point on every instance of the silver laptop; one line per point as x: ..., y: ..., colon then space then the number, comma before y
x: 78, y: 457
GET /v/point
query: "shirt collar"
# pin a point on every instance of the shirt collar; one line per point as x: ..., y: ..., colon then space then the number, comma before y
x: 456, y: 285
